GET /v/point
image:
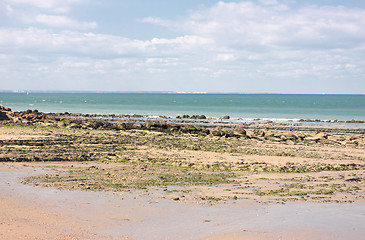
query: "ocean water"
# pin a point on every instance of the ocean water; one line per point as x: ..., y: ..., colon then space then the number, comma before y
x: 246, y: 106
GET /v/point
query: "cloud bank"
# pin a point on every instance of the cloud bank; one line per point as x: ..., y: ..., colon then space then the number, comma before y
x: 246, y: 46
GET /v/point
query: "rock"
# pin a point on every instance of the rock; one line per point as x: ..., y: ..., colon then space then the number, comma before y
x: 300, y: 136
x: 32, y: 116
x: 191, y: 129
x: 352, y: 137
x: 3, y: 116
x: 283, y: 138
x: 274, y: 139
x: 355, y: 179
x: 317, y: 137
x: 250, y: 133
x: 289, y: 136
x: 2, y: 108
x: 216, y: 132
x: 312, y: 139
x: 74, y: 126
x: 354, y: 121
x: 350, y: 142
x: 257, y: 134
x: 137, y: 125
x: 239, y: 131
x: 261, y: 133
x: 7, y: 116
x: 5, y: 113
x: 273, y: 135
x: 305, y: 120
x: 269, y: 134
x: 336, y: 138
x: 228, y: 133
x: 120, y: 126
x: 205, y: 131
x: 322, y: 135
x: 361, y: 142
x: 226, y: 117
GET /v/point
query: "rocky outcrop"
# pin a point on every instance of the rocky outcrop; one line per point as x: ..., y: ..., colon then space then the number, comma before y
x: 192, y: 117
x: 3, y: 116
x: 239, y: 131
x: 6, y: 114
x: 29, y: 116
x: 244, y: 131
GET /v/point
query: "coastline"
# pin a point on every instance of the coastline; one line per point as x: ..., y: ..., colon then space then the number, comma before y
x: 216, y: 121
x: 224, y: 180
x: 34, y: 212
x: 50, y: 213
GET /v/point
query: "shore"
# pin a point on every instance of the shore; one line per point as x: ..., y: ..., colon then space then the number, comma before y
x: 269, y: 168
x: 35, y: 212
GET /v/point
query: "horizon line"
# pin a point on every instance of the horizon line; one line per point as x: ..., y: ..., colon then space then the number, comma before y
x: 169, y: 92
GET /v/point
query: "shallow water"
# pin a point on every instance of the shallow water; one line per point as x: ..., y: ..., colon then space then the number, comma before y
x: 247, y: 106
x: 139, y: 215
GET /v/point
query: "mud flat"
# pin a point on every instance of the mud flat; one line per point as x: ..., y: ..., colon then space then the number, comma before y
x: 35, y: 212
x: 86, y: 178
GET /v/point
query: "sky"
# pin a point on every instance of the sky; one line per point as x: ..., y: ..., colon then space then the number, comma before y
x: 264, y: 46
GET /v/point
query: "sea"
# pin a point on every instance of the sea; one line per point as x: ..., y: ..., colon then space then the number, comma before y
x: 248, y: 107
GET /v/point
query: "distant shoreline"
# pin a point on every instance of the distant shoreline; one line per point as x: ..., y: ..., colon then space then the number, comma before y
x: 168, y: 92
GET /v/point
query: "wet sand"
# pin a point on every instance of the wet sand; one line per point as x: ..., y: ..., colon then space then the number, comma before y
x: 66, y: 179
x: 33, y: 212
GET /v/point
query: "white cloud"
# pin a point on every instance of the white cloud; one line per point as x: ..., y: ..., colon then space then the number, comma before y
x: 201, y: 69
x: 63, y: 22
x: 271, y: 24
x: 162, y: 61
x: 268, y: 39
x: 157, y: 21
x: 218, y: 73
x: 46, y: 43
x: 36, y: 12
x: 225, y: 57
x: 7, y: 9
x: 60, y: 6
x: 248, y: 45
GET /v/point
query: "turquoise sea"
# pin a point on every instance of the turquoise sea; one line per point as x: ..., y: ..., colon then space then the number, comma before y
x: 246, y: 106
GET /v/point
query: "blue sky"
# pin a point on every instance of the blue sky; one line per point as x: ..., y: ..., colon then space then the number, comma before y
x: 265, y: 46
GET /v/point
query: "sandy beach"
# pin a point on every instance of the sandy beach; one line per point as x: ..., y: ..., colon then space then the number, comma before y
x: 66, y: 178
x: 48, y: 213
x: 182, y: 120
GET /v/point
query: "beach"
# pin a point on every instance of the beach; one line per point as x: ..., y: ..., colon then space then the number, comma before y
x: 182, y: 120
x: 76, y: 176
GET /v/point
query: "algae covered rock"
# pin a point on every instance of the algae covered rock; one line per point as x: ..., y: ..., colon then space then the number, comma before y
x: 5, y: 113
x: 239, y: 131
x: 216, y: 132
x: 3, y: 116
